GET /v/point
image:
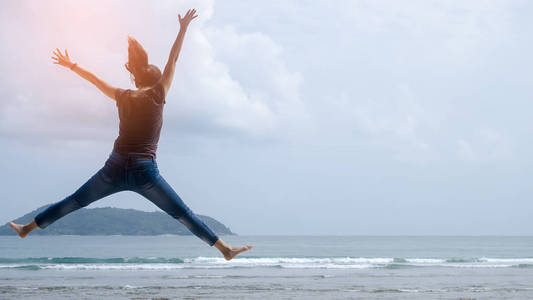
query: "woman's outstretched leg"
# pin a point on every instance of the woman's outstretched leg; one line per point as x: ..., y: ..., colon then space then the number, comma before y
x: 164, y: 196
x: 94, y: 189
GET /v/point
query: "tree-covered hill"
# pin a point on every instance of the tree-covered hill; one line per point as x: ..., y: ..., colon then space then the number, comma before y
x: 111, y: 221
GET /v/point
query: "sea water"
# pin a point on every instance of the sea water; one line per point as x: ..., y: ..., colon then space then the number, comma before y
x: 278, y: 267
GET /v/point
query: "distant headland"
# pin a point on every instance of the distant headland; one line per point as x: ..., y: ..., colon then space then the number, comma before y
x: 114, y: 221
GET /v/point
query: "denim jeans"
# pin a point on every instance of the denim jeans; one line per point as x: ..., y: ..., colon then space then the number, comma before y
x: 129, y: 172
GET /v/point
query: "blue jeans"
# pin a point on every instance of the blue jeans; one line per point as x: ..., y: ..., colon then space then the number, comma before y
x: 128, y: 172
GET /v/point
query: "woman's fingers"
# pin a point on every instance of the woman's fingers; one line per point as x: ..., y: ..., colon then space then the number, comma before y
x: 61, y: 54
x: 66, y: 53
x: 191, y: 14
x: 58, y: 58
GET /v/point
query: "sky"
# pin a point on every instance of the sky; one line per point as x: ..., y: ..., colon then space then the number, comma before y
x: 287, y: 117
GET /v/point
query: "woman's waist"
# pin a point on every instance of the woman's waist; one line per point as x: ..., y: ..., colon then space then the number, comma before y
x: 130, y: 162
x: 126, y: 155
x: 135, y: 147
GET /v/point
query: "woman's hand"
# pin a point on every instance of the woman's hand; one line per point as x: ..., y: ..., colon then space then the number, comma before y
x: 62, y: 60
x: 189, y: 16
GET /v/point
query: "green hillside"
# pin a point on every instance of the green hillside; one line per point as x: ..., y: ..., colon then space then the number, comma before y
x: 114, y: 221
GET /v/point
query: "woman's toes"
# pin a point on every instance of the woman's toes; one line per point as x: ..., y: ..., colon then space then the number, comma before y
x: 236, y: 250
x: 18, y: 229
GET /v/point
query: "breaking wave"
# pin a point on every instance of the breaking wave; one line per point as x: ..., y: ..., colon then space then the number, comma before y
x: 159, y: 263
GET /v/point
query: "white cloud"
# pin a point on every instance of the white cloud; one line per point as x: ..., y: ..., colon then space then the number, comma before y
x: 238, y: 82
x: 251, y: 93
x: 393, y: 120
x: 485, y: 146
x: 422, y: 105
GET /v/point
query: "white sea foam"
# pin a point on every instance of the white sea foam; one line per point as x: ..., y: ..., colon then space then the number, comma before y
x: 112, y: 266
x: 260, y: 262
x: 425, y: 260
x: 289, y: 260
x: 508, y: 260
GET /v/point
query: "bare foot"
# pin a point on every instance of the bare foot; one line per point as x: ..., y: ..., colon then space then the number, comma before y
x: 23, y: 230
x: 233, y: 251
x: 20, y: 229
x: 228, y: 251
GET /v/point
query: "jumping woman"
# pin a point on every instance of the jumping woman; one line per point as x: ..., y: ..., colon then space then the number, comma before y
x: 132, y: 163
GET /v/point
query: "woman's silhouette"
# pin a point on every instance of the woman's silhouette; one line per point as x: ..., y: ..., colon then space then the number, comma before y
x: 132, y: 165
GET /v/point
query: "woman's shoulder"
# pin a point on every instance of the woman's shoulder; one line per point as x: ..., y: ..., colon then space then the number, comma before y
x: 120, y: 94
x: 157, y: 92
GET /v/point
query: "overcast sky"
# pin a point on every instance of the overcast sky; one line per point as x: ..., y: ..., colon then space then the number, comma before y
x: 287, y: 117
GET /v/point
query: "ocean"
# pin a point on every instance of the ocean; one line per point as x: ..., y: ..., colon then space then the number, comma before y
x: 278, y: 267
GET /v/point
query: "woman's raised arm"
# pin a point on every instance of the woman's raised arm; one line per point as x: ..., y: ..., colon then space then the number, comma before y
x: 64, y: 60
x: 168, y: 73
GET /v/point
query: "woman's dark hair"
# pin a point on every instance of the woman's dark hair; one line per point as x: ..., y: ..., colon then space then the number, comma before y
x: 142, y: 73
